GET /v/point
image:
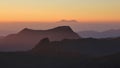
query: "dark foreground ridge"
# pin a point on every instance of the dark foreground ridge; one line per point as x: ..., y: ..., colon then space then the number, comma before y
x: 76, y: 53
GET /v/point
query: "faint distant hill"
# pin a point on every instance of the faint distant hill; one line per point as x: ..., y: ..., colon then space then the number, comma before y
x: 78, y: 47
x: 68, y: 22
x: 105, y: 34
x: 27, y: 38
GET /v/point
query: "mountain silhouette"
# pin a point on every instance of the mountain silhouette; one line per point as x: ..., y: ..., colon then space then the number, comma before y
x: 27, y: 38
x: 106, y: 34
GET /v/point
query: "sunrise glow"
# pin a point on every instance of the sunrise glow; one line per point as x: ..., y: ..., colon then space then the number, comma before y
x: 54, y: 10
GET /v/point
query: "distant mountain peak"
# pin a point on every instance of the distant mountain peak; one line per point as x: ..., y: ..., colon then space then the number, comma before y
x: 67, y: 21
x: 60, y: 28
x: 25, y: 30
x: 63, y: 28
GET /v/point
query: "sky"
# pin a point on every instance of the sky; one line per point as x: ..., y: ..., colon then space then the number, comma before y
x: 54, y: 10
x: 98, y: 15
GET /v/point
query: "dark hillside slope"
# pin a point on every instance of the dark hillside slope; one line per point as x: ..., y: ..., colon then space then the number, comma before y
x: 88, y: 46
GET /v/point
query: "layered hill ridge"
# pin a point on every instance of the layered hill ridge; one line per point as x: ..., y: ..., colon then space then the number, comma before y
x: 78, y: 47
x: 55, y: 48
x: 27, y: 38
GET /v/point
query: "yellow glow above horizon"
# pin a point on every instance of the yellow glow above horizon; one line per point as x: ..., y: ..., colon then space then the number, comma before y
x: 54, y: 10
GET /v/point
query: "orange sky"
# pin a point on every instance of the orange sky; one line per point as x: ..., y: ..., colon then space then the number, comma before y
x: 54, y: 10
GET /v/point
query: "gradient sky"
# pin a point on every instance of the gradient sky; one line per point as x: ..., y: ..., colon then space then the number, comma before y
x: 54, y: 10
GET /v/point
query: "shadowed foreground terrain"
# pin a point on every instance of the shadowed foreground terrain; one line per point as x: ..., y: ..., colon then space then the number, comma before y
x: 76, y: 53
x: 23, y: 60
